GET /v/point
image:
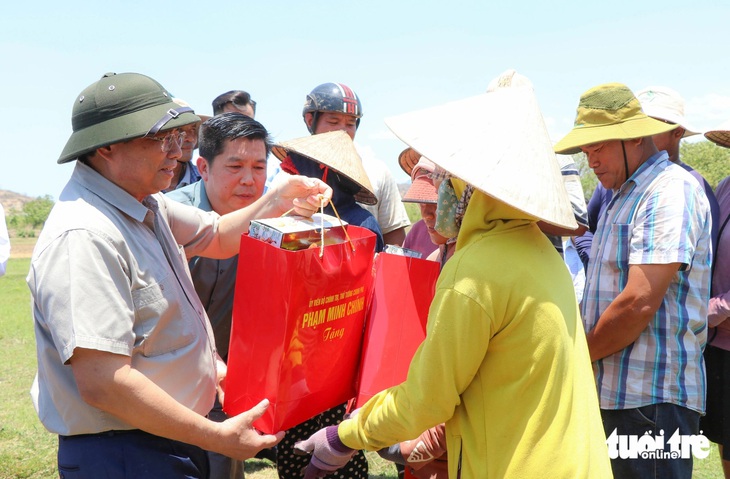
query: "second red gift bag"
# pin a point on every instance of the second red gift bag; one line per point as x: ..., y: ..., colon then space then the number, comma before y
x: 396, y: 325
x: 297, y: 328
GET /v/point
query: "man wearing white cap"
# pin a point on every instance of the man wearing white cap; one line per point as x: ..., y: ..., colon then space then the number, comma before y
x: 666, y: 105
x: 645, y: 304
x: 504, y: 364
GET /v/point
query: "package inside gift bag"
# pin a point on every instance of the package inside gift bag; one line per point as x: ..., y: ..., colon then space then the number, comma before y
x: 298, y: 319
x: 299, y: 232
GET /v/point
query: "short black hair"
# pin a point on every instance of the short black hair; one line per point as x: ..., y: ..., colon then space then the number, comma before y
x: 238, y: 97
x: 215, y: 131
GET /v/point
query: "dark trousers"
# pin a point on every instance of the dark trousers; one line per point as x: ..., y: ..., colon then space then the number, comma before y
x: 128, y: 455
x: 656, y: 419
x: 715, y: 424
x: 222, y: 467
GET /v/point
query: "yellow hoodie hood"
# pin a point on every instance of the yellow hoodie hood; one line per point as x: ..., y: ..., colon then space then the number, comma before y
x: 486, y: 214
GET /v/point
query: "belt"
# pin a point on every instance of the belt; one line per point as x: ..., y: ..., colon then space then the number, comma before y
x: 112, y: 433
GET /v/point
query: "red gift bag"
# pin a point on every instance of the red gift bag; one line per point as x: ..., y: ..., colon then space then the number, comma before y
x: 396, y: 324
x: 298, y: 321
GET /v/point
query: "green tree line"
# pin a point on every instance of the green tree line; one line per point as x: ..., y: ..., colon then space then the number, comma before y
x: 31, y: 217
x: 710, y: 160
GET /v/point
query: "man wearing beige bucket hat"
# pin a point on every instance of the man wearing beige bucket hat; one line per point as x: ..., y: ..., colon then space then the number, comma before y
x: 647, y: 280
x: 127, y: 365
x: 666, y: 105
x: 505, y: 363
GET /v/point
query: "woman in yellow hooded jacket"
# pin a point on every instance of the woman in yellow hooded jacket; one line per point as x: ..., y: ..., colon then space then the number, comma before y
x: 505, y: 363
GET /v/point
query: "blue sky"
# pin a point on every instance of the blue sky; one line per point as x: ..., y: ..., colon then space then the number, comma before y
x: 398, y: 56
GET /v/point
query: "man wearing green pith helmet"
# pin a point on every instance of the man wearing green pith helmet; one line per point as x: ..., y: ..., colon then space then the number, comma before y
x: 127, y: 365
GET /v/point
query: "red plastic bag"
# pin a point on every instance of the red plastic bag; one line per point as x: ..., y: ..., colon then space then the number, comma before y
x: 298, y: 322
x: 396, y: 324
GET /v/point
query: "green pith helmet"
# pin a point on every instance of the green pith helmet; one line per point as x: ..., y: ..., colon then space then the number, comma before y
x: 120, y: 108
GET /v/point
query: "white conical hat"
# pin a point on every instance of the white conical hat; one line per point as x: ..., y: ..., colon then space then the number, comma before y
x: 497, y: 142
x: 336, y: 150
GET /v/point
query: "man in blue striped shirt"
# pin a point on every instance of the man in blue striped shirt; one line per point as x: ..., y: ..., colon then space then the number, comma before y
x: 647, y: 287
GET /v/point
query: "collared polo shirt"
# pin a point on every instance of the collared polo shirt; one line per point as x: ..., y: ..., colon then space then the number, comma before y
x: 660, y: 215
x: 108, y: 274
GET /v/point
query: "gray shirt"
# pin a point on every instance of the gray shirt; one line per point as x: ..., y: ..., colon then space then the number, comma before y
x: 108, y: 274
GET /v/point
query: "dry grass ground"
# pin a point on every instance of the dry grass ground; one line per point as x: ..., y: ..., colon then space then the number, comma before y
x: 264, y: 469
x: 21, y: 247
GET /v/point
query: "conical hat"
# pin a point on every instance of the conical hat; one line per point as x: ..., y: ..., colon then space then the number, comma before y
x: 336, y: 150
x: 497, y: 142
x: 408, y: 159
x: 720, y: 134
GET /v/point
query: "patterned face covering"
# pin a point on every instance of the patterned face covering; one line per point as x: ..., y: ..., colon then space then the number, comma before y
x: 450, y: 209
x: 446, y: 206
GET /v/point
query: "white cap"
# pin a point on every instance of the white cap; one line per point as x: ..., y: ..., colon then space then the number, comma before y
x: 665, y: 104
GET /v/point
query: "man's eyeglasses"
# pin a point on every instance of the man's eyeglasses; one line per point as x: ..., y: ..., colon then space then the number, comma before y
x: 175, y: 137
x: 244, y: 102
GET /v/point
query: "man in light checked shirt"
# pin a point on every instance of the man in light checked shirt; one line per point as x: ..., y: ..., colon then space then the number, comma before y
x: 647, y: 286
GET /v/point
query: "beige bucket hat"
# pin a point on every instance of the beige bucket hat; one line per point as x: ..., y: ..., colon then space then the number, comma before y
x: 336, y: 150
x: 497, y: 142
x: 609, y: 112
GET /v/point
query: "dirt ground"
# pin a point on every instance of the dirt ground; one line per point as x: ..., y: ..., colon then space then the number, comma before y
x: 21, y: 247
